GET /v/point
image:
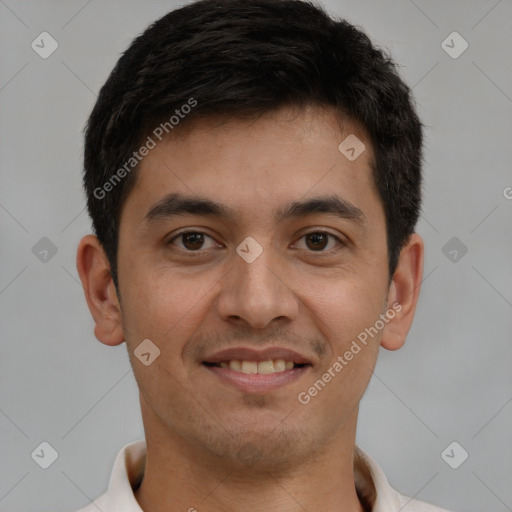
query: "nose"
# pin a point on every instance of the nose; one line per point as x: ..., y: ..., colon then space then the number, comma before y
x: 258, y: 293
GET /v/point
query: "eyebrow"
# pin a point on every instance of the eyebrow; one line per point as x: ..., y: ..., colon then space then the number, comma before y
x: 176, y: 204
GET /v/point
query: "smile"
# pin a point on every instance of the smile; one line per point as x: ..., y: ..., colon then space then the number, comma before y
x: 257, y: 377
x: 257, y: 371
x: 255, y: 367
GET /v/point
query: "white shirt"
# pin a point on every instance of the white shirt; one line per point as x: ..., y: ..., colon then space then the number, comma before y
x: 129, y: 468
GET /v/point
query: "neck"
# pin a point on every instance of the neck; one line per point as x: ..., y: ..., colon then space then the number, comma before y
x: 182, y: 476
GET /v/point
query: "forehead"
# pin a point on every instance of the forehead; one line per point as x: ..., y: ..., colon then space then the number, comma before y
x: 256, y: 166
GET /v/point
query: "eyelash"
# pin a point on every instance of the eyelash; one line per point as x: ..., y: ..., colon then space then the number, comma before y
x: 316, y: 253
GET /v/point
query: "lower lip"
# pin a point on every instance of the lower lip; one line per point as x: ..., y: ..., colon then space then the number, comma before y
x: 257, y: 383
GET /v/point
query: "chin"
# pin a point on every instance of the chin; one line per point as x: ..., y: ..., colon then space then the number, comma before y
x: 263, y: 448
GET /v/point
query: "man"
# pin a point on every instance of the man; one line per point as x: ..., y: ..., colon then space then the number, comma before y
x: 252, y: 170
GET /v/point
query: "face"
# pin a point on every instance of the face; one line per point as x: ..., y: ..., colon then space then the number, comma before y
x: 249, y: 247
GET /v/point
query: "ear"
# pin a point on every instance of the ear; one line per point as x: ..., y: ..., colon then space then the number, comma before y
x: 403, y: 293
x: 94, y: 271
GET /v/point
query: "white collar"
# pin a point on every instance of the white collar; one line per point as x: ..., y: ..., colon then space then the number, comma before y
x: 369, y: 477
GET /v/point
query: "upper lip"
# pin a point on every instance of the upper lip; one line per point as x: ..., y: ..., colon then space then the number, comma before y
x: 249, y: 354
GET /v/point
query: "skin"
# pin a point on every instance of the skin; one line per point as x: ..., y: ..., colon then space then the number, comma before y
x: 210, y: 445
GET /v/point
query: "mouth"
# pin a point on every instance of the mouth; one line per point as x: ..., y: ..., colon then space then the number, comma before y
x: 257, y: 368
x: 257, y: 372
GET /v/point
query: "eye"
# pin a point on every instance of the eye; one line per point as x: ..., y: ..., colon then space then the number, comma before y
x: 318, y: 241
x: 193, y: 241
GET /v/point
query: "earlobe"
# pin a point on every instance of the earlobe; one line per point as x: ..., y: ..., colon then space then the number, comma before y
x: 403, y: 293
x: 100, y: 293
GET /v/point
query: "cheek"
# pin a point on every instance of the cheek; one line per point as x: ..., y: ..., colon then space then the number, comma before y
x: 343, y: 307
x: 344, y: 314
x: 167, y: 312
x: 163, y: 306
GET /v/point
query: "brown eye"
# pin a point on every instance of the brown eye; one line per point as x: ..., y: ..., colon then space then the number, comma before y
x: 317, y: 241
x: 193, y: 241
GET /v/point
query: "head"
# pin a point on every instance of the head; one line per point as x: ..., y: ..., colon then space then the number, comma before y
x: 221, y: 132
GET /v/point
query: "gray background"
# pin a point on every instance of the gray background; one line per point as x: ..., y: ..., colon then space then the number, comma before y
x: 451, y: 382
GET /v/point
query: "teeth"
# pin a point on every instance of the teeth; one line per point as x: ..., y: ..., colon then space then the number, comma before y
x: 249, y: 367
x: 235, y: 365
x: 280, y: 365
x: 266, y: 367
x: 263, y: 367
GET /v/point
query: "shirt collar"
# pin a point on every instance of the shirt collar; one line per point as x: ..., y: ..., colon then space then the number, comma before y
x: 126, y: 476
x: 371, y: 483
